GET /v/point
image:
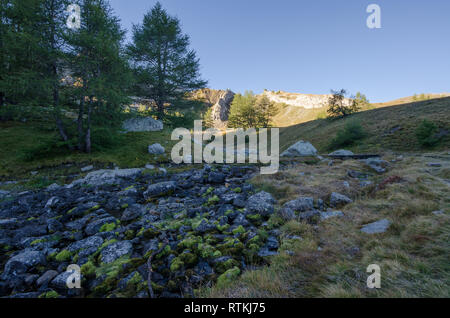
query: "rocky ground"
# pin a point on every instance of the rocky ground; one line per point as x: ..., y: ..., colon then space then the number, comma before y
x: 190, y: 229
x: 197, y: 226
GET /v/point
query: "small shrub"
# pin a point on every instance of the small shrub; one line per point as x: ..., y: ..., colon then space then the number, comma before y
x: 426, y: 133
x: 352, y: 132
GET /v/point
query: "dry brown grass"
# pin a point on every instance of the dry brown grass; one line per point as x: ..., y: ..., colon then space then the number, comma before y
x: 414, y: 253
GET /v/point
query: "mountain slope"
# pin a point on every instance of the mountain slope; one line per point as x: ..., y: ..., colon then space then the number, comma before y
x: 387, y: 127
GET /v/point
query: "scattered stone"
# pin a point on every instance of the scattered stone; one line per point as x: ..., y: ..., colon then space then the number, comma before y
x: 53, y: 187
x: 327, y: 215
x: 156, y: 149
x: 22, y: 262
x: 261, y: 203
x: 376, y: 164
x: 376, y: 227
x: 300, y: 204
x: 46, y: 278
x: 434, y: 164
x: 346, y: 184
x: 439, y: 212
x: 142, y: 124
x: 116, y: 250
x: 300, y: 149
x: 341, y: 152
x: 337, y: 200
x: 101, y: 177
x: 87, y: 168
x: 149, y: 167
x: 160, y: 189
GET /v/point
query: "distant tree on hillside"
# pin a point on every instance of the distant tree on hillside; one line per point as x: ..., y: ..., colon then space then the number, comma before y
x: 361, y: 101
x: 250, y: 111
x: 339, y: 106
x: 164, y: 65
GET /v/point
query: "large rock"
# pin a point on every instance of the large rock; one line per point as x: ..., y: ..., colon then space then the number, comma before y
x: 22, y: 262
x: 142, y: 124
x: 156, y: 149
x: 160, y: 189
x: 261, y: 203
x: 376, y: 227
x: 115, y: 251
x: 341, y: 152
x: 221, y: 109
x: 337, y: 199
x: 101, y: 177
x: 300, y: 204
x: 93, y: 243
x: 300, y: 149
x: 376, y: 164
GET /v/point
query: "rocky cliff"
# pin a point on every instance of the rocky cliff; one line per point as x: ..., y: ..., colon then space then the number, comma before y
x: 308, y: 101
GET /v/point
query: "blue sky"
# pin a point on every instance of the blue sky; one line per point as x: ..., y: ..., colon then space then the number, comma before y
x: 312, y: 46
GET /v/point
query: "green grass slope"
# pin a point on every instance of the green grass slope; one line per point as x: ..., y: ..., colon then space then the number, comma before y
x: 387, y: 128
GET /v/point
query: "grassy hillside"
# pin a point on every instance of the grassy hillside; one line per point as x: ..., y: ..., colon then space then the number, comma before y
x: 390, y: 128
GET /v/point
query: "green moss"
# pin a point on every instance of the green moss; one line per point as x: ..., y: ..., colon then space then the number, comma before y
x: 208, y: 192
x: 206, y: 250
x: 71, y: 210
x: 38, y: 241
x: 213, y: 200
x: 237, y: 190
x: 88, y: 269
x: 176, y: 264
x: 228, y: 277
x: 129, y: 234
x: 108, y: 227
x: 239, y: 230
x: 31, y: 218
x: 223, y: 228
x: 254, y: 218
x: 63, y: 256
x: 49, y: 294
x: 224, y: 266
x: 188, y: 258
x: 190, y: 242
x: 124, y: 206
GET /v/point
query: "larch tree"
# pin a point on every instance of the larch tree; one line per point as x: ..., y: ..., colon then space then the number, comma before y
x: 165, y: 68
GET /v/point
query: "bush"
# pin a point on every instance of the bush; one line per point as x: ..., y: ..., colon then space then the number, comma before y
x: 352, y: 132
x: 426, y: 133
x: 338, y: 106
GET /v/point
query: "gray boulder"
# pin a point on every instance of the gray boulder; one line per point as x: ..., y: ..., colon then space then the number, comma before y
x: 300, y: 204
x: 156, y: 149
x: 92, y: 242
x: 115, y: 251
x: 337, y: 199
x: 22, y: 262
x: 94, y: 227
x: 46, y: 277
x: 261, y: 203
x: 300, y: 149
x: 327, y: 215
x: 101, y: 177
x: 142, y: 124
x: 133, y: 212
x: 376, y: 164
x: 376, y: 227
x: 160, y: 189
x: 341, y: 152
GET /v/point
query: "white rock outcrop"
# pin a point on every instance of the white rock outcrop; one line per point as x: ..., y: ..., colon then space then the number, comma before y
x: 300, y: 149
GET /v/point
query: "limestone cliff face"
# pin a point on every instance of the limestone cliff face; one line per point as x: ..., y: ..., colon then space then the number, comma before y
x: 221, y: 109
x: 308, y: 101
x: 220, y: 101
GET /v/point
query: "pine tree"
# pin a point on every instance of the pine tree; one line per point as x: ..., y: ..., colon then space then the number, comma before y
x: 164, y: 65
x: 339, y: 107
x: 98, y: 65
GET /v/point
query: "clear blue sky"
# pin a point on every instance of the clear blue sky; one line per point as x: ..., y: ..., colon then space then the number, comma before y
x: 311, y: 46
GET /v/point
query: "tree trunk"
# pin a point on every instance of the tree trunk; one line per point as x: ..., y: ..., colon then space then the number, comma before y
x: 80, y: 123
x: 88, y: 131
